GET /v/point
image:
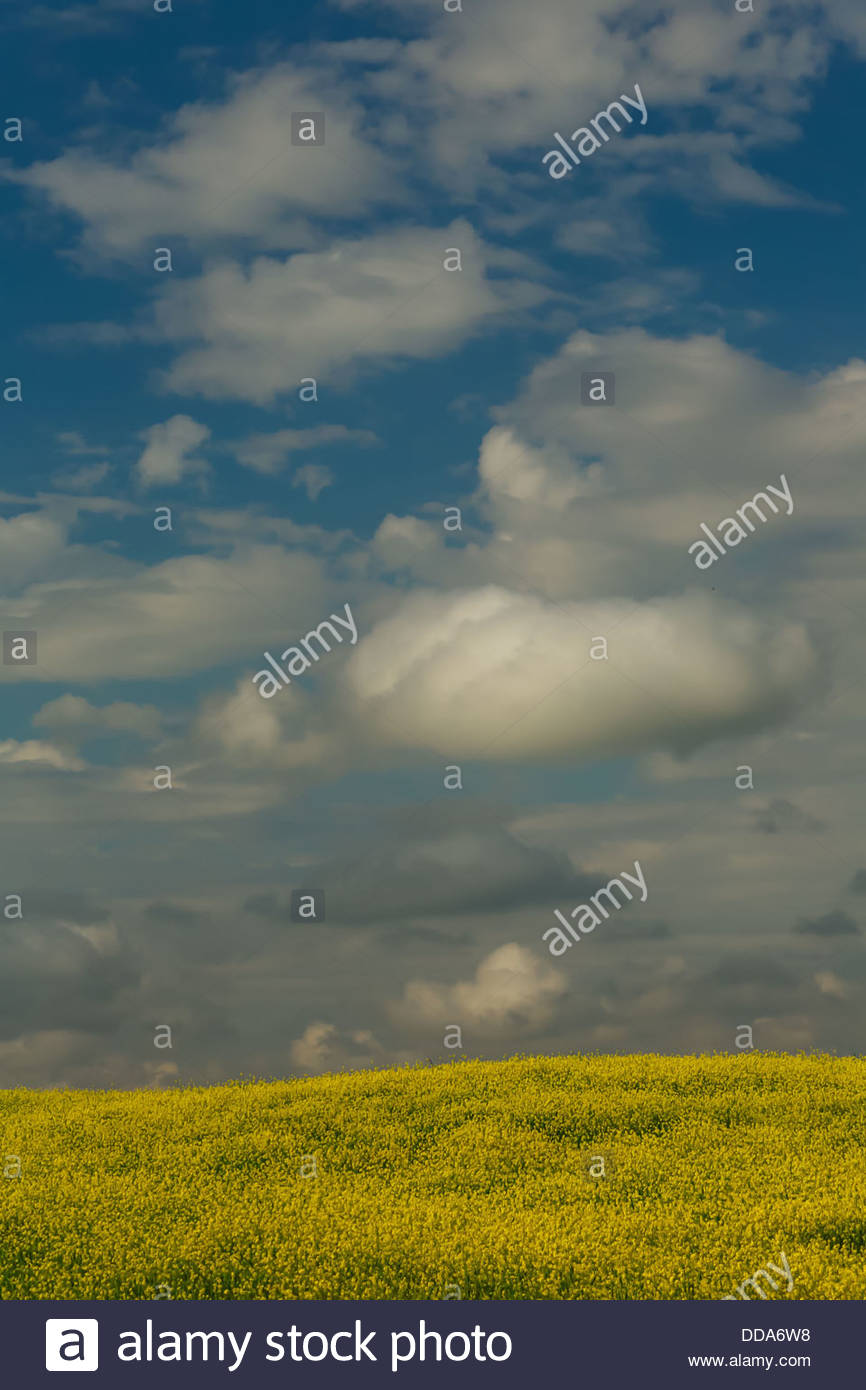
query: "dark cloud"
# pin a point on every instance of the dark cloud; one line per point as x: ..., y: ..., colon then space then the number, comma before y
x: 628, y: 930
x: 172, y: 914
x: 407, y: 935
x: 858, y: 882
x: 53, y: 977
x: 755, y: 981
x: 269, y: 906
x: 452, y: 872
x: 174, y: 933
x: 79, y: 908
x: 434, y: 862
x: 831, y: 924
x: 781, y: 815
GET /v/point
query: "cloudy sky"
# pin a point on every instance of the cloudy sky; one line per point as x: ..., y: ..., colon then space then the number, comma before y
x: 177, y: 498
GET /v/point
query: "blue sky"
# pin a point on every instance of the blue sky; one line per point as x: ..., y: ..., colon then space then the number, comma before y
x: 144, y: 390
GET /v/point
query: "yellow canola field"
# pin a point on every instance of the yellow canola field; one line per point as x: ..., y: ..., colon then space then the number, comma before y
x: 586, y: 1177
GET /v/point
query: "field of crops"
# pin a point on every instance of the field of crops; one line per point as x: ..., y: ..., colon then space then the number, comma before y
x: 546, y: 1177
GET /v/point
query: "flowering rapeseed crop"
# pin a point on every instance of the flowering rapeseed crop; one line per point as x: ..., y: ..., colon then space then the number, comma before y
x: 549, y: 1177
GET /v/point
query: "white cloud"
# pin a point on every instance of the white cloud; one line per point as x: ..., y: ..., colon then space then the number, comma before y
x: 88, y: 475
x: 314, y: 478
x: 601, y: 504
x: 31, y: 544
x: 263, y: 328
x: 81, y: 479
x: 154, y: 621
x: 486, y: 92
x: 492, y: 673
x: 268, y: 733
x: 168, y: 455
x: 34, y: 751
x: 605, y: 501
x: 323, y: 1047
x: 266, y: 453
x: 828, y: 983
x: 512, y: 989
x: 510, y: 468
x: 458, y: 105
x: 228, y: 169
x: 685, y: 407
x: 72, y: 713
x: 849, y: 20
x: 74, y: 443
x: 95, y: 17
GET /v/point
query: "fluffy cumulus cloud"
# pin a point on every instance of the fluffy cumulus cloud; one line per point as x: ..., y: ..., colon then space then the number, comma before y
x: 601, y: 503
x: 257, y: 733
x: 324, y: 1047
x: 692, y: 407
x: 71, y: 714
x: 168, y: 455
x: 37, y: 751
x: 512, y: 989
x: 32, y: 547
x: 829, y: 983
x: 259, y: 330
x: 500, y: 674
x: 505, y: 82
x: 187, y: 182
x: 132, y: 620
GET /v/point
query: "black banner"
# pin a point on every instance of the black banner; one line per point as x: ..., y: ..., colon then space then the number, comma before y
x: 411, y: 1344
